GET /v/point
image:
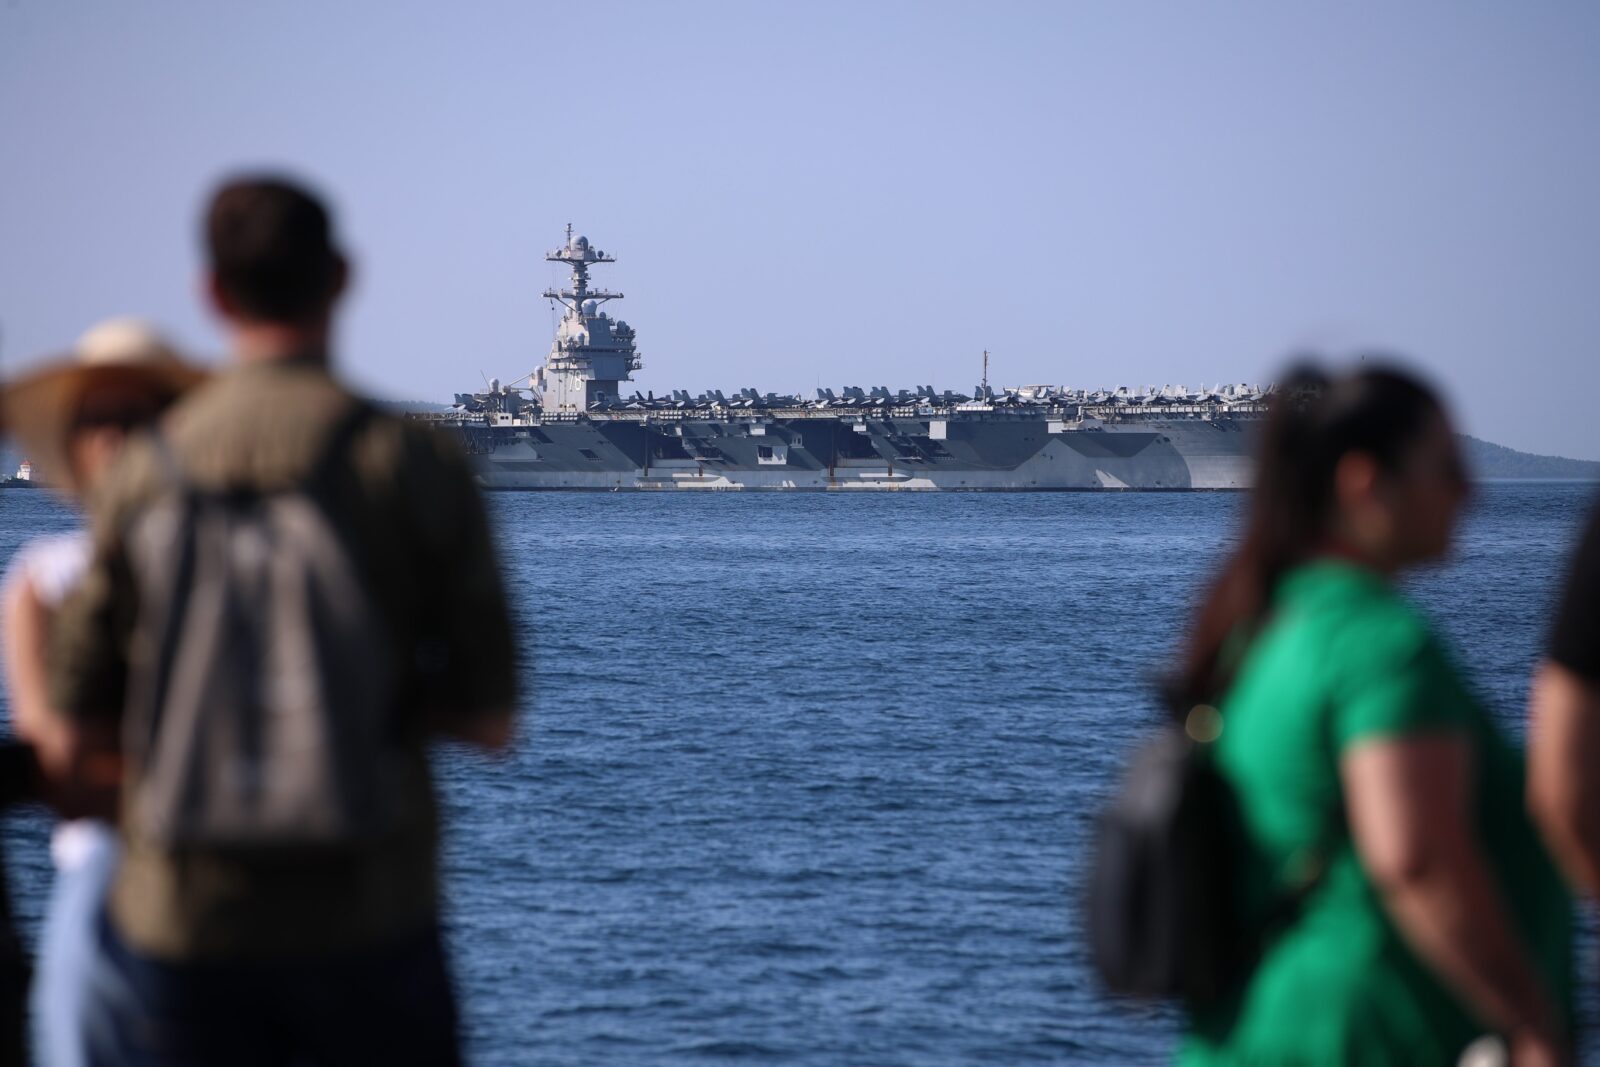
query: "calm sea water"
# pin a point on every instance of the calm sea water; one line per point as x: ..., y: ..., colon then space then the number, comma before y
x: 808, y: 779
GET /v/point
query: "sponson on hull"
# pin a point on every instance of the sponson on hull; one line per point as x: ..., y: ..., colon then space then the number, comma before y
x: 571, y: 427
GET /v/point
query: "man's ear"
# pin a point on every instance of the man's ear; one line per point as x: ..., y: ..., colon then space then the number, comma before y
x: 341, y: 278
x: 216, y: 297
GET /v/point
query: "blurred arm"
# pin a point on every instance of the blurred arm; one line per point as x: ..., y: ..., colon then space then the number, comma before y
x: 27, y: 637
x: 1564, y: 770
x: 466, y: 657
x: 1408, y: 800
x: 78, y: 760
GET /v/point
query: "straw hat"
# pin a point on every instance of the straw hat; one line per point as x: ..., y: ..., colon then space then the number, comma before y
x: 38, y: 408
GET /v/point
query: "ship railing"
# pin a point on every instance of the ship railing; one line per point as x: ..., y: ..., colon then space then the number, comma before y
x: 1167, y: 410
x: 1106, y: 412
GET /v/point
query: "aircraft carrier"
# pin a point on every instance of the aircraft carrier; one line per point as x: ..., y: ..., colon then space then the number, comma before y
x: 570, y: 427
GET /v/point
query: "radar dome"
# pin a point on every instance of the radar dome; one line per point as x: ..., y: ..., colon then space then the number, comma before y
x: 580, y: 242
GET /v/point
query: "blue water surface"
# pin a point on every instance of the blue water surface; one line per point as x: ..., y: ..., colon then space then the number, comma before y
x: 808, y: 779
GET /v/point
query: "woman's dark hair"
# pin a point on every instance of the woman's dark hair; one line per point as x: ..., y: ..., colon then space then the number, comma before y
x: 1313, y: 422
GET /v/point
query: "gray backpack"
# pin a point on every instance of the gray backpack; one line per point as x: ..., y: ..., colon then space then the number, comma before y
x: 261, y: 691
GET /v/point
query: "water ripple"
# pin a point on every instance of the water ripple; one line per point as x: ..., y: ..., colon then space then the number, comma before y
x: 808, y: 780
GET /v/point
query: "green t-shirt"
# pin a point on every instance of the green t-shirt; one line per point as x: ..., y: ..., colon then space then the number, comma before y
x: 1345, y: 659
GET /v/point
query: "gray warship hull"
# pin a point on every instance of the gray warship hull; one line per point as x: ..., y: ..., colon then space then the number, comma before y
x: 571, y: 428
x: 959, y: 451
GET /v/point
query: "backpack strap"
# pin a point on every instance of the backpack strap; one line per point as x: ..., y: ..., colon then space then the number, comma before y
x: 168, y: 466
x: 177, y: 592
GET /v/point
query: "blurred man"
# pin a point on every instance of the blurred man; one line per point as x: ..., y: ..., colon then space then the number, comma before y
x: 1564, y: 740
x: 290, y: 592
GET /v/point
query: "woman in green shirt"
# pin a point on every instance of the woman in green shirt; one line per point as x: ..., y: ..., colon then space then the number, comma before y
x: 1373, y: 790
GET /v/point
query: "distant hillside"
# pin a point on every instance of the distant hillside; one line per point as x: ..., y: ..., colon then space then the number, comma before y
x: 1487, y: 460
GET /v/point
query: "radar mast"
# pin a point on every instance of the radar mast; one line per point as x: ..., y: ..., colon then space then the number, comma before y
x: 592, y: 352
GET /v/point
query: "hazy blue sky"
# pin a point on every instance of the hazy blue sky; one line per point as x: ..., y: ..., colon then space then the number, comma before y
x: 865, y: 193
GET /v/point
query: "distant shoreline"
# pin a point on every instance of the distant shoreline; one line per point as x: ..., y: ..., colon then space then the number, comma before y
x: 1488, y: 461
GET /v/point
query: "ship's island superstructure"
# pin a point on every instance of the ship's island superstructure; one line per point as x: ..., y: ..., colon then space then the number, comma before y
x: 571, y: 427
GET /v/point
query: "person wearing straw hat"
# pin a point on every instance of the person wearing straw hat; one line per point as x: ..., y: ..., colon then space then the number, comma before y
x: 73, y: 415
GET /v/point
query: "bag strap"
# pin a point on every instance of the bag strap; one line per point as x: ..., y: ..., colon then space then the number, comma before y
x: 168, y: 465
x: 177, y: 593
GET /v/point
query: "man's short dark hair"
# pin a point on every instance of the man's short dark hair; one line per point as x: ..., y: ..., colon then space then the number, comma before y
x: 271, y: 248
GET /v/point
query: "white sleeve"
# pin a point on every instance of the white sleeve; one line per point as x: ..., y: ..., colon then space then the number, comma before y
x: 53, y: 565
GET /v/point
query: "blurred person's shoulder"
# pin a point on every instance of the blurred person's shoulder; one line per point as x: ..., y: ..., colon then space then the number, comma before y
x: 260, y: 424
x: 265, y: 428
x: 409, y: 449
x: 1355, y: 615
x: 424, y: 468
x: 1367, y: 654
